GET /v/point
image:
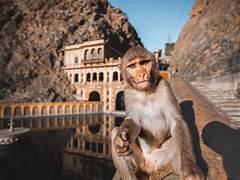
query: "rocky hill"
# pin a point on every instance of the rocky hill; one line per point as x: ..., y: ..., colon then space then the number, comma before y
x: 209, y: 44
x: 32, y: 32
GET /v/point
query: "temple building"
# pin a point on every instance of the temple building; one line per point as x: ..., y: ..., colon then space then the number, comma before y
x: 93, y: 68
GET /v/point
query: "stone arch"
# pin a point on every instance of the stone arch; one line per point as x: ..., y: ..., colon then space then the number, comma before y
x: 94, y: 107
x: 94, y: 78
x: 94, y: 147
x: 7, y: 112
x: 75, y: 143
x: 44, y: 111
x: 89, y: 55
x: 94, y: 96
x: 88, y: 77
x: 100, y: 53
x: 94, y: 54
x: 76, y: 78
x: 87, y: 145
x: 119, y: 102
x: 26, y: 111
x: 95, y: 128
x: 17, y: 111
x: 52, y: 121
x: 81, y: 109
x: 52, y: 110
x: 74, y: 109
x: 100, y: 148
x: 115, y: 76
x: 99, y: 107
x: 88, y: 108
x: 35, y: 123
x: 101, y: 76
x: 60, y: 110
x: 86, y: 54
x: 35, y: 111
x: 67, y: 110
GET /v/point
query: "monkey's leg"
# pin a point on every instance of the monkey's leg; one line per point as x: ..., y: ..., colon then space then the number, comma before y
x: 160, y: 161
x: 124, y: 164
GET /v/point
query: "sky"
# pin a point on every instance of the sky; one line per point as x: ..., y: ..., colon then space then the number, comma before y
x: 156, y: 21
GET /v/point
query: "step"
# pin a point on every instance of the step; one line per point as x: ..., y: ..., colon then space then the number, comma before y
x: 219, y: 101
x: 229, y: 108
x: 233, y: 113
x: 222, y: 98
x: 221, y: 95
x: 235, y: 118
x: 230, y: 104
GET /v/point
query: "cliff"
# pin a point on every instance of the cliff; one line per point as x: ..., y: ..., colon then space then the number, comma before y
x: 33, y: 32
x: 209, y: 44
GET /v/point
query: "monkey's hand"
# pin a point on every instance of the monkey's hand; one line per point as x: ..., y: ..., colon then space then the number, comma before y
x: 191, y: 173
x: 122, y: 142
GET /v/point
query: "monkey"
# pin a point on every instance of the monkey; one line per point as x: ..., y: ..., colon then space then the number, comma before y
x: 154, y: 136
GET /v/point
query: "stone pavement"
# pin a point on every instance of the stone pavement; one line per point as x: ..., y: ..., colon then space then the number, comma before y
x: 216, y: 138
x: 224, y: 100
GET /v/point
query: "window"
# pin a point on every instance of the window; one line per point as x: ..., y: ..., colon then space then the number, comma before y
x: 76, y: 78
x: 94, y: 76
x: 88, y: 77
x: 115, y: 76
x: 85, y: 54
x: 107, y: 76
x: 100, y: 53
x: 76, y: 59
x: 94, y: 54
x: 100, y: 76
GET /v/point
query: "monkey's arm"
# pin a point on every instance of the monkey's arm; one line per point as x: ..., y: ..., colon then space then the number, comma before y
x: 181, y: 135
x: 125, y: 139
x: 132, y: 129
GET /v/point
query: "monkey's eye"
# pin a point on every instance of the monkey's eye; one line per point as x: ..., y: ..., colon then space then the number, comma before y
x: 131, y: 66
x: 144, y: 62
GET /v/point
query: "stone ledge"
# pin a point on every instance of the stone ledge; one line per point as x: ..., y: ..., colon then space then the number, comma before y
x: 216, y: 138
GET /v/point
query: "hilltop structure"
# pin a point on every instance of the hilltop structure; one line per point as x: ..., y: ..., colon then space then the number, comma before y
x: 93, y: 68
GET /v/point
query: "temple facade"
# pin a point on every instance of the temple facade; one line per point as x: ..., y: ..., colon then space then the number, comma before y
x: 93, y: 68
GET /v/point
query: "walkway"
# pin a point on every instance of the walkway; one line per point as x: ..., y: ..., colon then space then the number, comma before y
x: 224, y: 100
x: 216, y: 138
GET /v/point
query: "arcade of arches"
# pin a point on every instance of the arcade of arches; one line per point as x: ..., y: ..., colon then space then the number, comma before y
x: 50, y: 108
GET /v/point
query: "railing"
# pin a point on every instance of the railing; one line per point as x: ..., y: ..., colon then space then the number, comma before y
x: 8, y: 110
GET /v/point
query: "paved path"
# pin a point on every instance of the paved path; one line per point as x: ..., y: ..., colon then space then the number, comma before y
x: 216, y: 138
x: 225, y: 100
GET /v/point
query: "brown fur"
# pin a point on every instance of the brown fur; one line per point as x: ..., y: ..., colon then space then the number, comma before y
x: 154, y: 136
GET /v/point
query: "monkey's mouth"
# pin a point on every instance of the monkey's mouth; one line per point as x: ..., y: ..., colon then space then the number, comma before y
x: 142, y: 84
x: 144, y: 81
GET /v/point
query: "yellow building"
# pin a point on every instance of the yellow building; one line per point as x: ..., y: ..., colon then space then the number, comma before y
x: 93, y: 68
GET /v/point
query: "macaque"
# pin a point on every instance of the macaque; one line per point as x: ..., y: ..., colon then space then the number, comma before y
x: 154, y: 137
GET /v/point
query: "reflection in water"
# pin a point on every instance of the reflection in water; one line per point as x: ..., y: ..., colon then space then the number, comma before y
x: 66, y: 147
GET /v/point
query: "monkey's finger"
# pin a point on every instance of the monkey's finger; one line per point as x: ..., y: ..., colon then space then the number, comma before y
x: 124, y: 143
x: 124, y: 135
x: 120, y: 142
x: 126, y: 153
x: 122, y: 150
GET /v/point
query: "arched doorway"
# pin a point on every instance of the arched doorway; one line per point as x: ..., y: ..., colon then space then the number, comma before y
x: 7, y: 112
x: 120, y: 106
x: 94, y: 96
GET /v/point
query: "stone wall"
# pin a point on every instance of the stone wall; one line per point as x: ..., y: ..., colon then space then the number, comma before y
x: 209, y: 44
x: 33, y: 34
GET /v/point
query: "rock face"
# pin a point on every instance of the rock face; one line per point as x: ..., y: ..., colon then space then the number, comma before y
x: 32, y: 34
x: 209, y: 45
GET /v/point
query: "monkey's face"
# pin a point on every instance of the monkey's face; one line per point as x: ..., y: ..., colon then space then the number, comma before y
x: 139, y: 72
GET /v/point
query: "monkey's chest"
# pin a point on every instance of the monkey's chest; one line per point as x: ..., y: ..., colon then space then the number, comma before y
x: 149, y: 141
